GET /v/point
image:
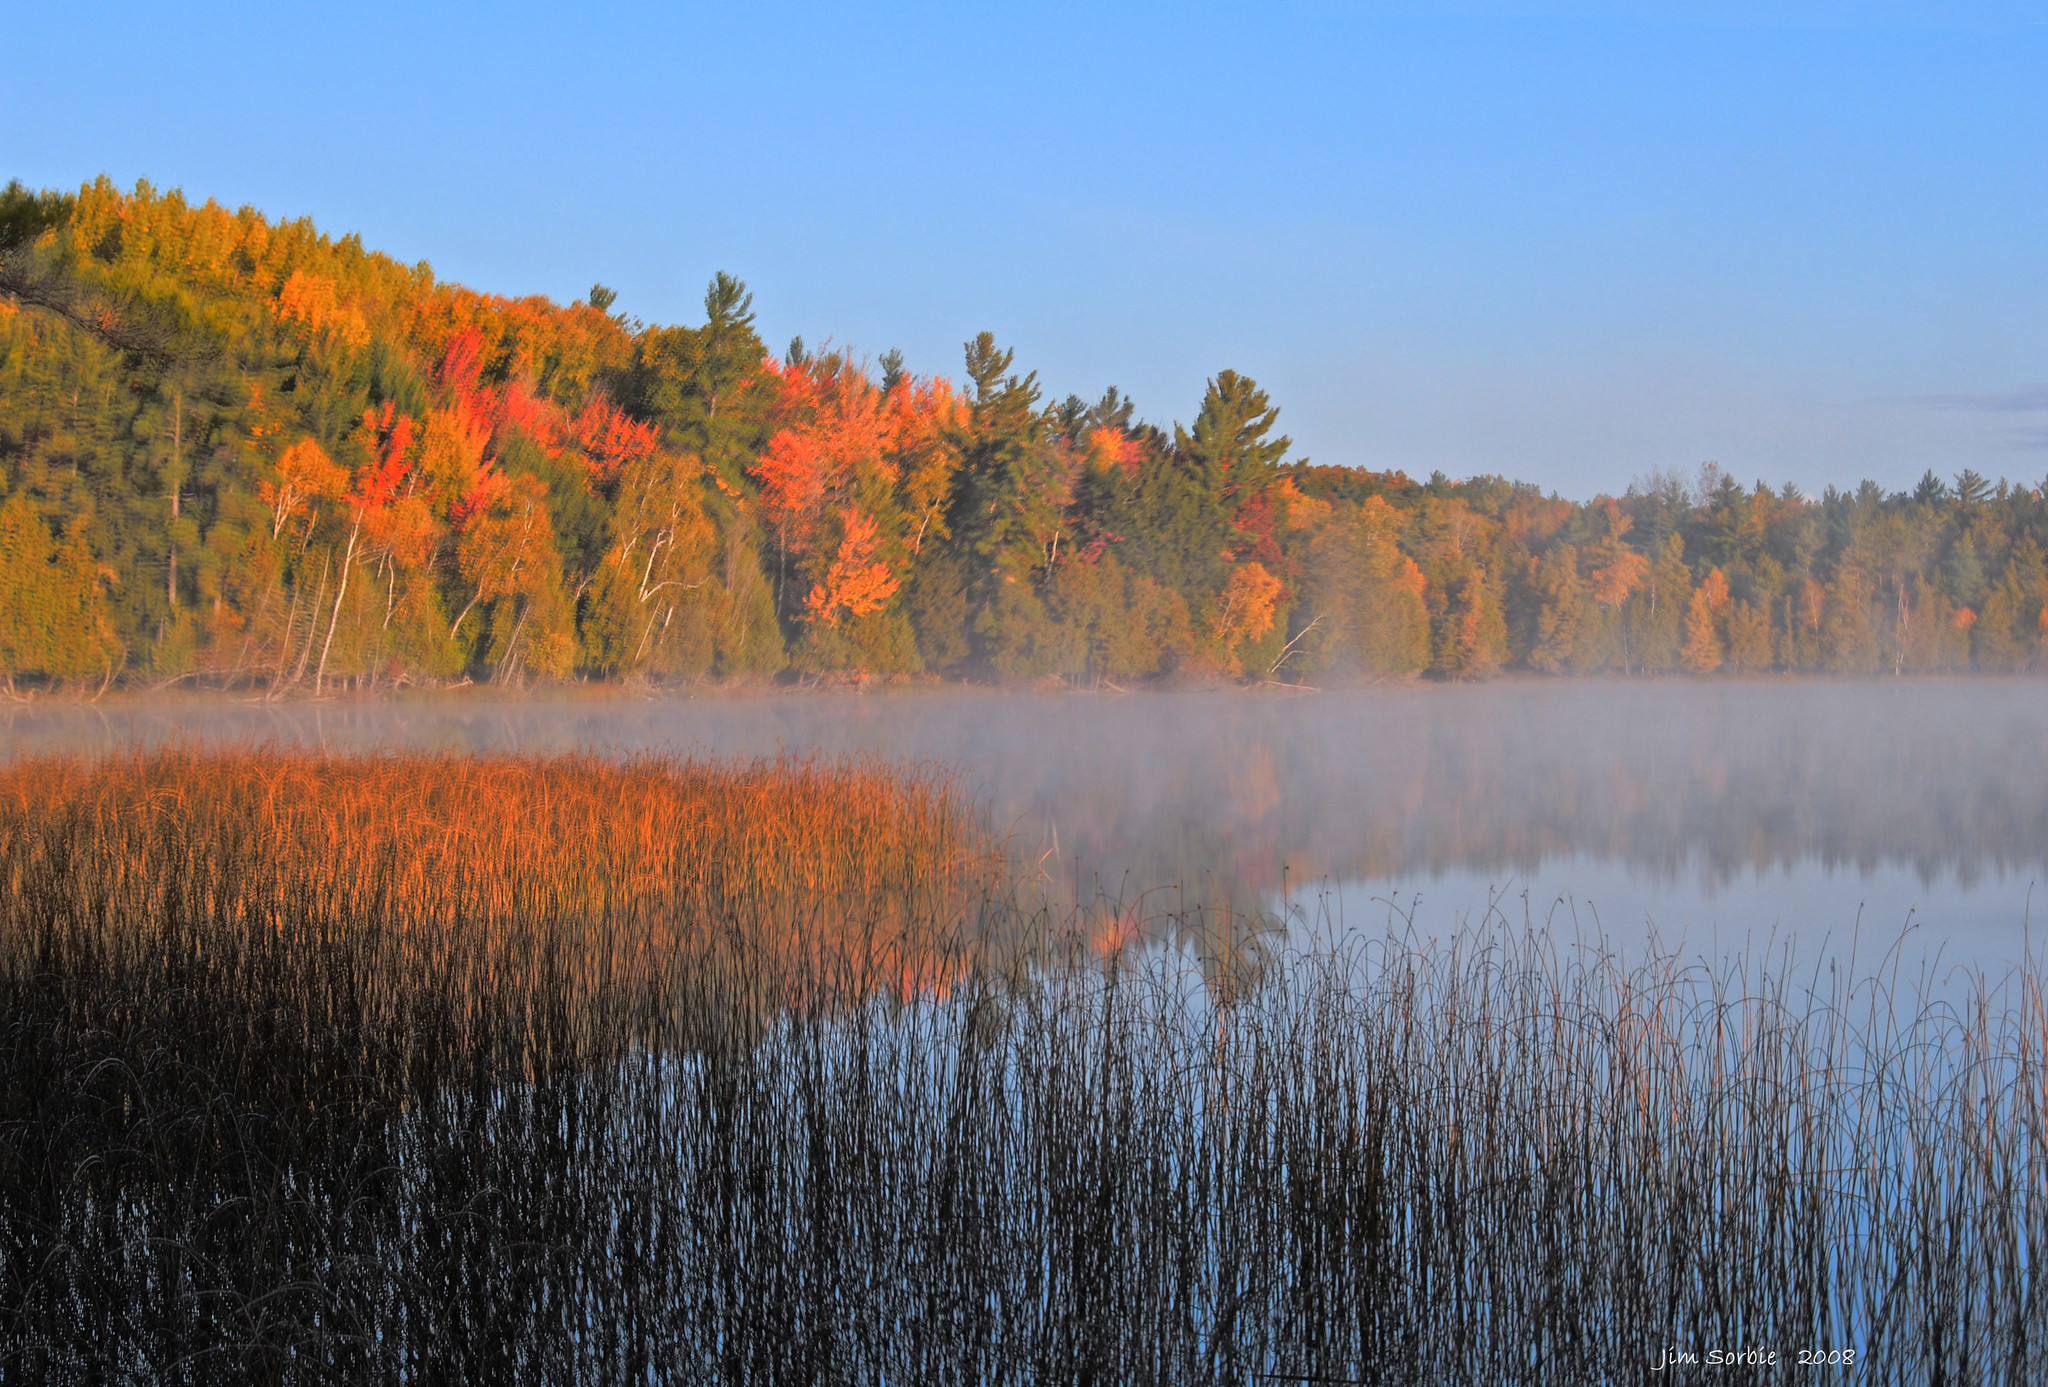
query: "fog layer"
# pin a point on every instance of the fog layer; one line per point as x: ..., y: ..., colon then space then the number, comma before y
x: 1692, y: 787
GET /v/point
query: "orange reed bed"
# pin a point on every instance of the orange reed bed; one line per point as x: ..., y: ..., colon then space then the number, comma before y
x: 500, y: 887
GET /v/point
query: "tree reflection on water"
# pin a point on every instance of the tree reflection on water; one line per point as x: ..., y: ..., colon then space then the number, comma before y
x: 1230, y: 800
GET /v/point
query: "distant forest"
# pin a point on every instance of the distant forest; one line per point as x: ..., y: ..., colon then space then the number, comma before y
x: 247, y: 454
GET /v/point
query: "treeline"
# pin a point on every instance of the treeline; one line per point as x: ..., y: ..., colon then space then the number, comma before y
x: 250, y: 454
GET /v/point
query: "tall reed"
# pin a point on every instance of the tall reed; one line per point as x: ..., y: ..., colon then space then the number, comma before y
x: 418, y: 1069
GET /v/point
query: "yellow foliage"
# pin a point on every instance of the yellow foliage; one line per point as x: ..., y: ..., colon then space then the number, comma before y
x: 1408, y: 578
x: 1245, y: 612
x: 1303, y: 512
x: 1704, y: 650
x: 305, y: 474
x: 1714, y: 591
x: 1619, y: 573
x: 452, y: 452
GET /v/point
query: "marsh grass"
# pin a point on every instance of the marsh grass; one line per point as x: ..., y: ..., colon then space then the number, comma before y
x: 425, y: 1069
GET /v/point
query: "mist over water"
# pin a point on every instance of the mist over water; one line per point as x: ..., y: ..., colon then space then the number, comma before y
x: 1716, y: 814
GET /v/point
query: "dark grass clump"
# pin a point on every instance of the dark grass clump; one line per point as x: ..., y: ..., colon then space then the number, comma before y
x: 426, y: 1069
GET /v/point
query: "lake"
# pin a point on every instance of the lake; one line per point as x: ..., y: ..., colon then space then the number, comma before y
x: 1441, y: 1160
x: 1713, y: 814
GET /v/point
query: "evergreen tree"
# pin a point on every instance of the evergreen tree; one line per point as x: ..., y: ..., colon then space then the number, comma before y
x: 1006, y: 515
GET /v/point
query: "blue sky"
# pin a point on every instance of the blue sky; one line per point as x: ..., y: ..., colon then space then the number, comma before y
x: 1572, y: 243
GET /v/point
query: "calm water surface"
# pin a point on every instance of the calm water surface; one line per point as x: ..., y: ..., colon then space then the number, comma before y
x: 1712, y: 815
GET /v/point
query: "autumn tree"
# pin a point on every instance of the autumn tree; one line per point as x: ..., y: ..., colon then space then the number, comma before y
x: 1749, y: 638
x: 852, y: 486
x: 650, y: 606
x: 1704, y: 648
x: 1453, y: 542
x: 1563, y: 613
x: 1655, y: 612
x: 1365, y: 597
x: 505, y: 553
x: 713, y: 393
x: 2009, y: 632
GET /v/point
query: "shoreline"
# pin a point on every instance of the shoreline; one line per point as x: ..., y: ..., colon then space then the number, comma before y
x: 746, y: 690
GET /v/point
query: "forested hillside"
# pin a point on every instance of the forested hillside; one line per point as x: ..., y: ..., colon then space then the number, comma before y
x: 246, y: 453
